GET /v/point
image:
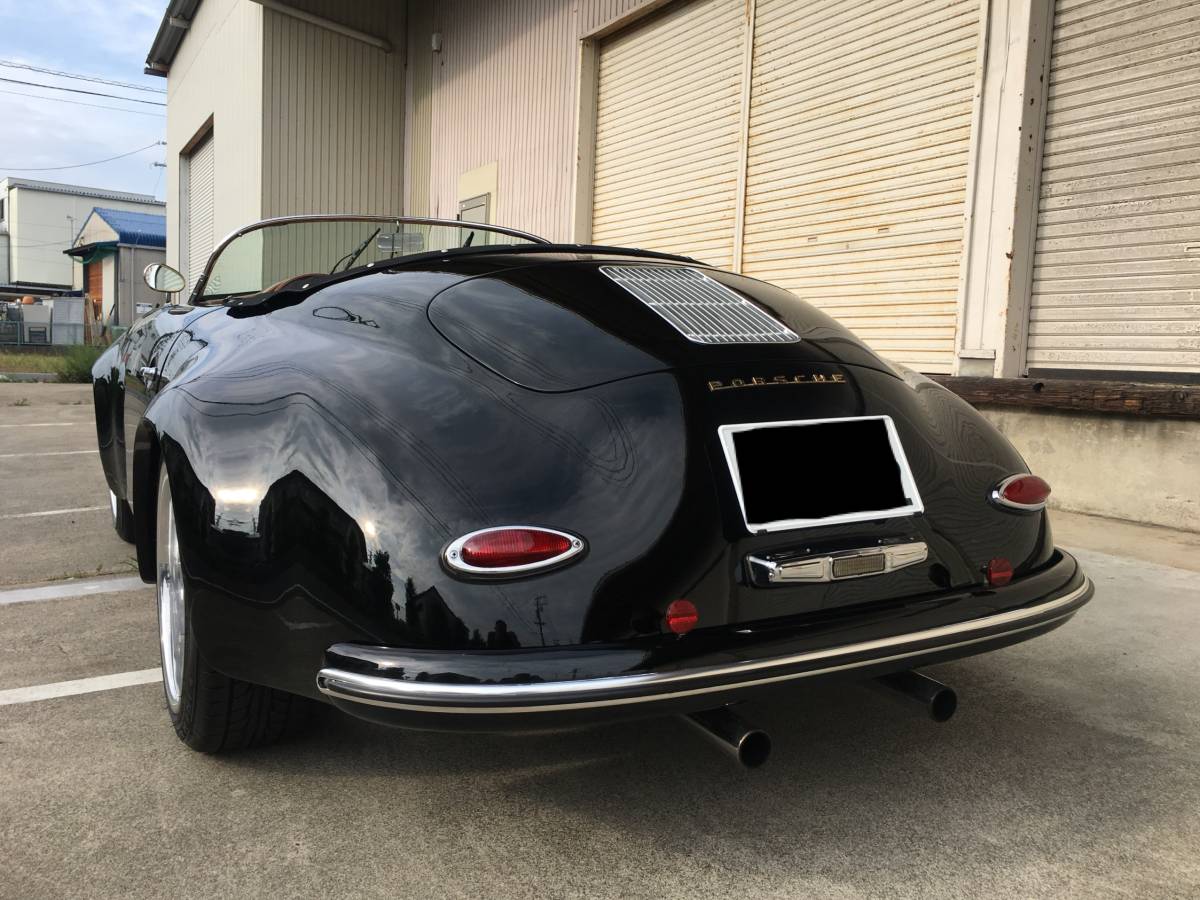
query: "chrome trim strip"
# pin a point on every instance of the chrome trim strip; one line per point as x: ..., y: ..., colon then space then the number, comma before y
x: 387, y: 692
x: 451, y: 555
x: 997, y: 495
x: 812, y: 569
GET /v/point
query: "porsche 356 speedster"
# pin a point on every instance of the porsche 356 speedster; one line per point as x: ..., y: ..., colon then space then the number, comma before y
x: 450, y: 476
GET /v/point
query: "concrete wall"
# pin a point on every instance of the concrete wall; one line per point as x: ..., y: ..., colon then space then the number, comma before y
x: 218, y: 73
x: 1123, y: 467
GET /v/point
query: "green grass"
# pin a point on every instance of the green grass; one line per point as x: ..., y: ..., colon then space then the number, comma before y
x: 75, y: 364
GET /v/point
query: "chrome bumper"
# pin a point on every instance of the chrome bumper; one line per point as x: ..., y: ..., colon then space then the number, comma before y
x: 651, y: 687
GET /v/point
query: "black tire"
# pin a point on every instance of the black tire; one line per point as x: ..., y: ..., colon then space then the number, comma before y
x: 122, y: 518
x: 215, y: 713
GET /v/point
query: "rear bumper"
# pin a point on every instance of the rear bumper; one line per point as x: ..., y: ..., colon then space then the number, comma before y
x: 400, y: 689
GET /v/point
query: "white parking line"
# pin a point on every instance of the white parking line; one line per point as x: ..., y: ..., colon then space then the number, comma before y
x: 73, y: 588
x: 79, y: 686
x: 52, y: 512
x: 46, y: 424
x: 47, y: 453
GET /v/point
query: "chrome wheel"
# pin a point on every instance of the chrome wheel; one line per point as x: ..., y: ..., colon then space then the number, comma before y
x: 112, y: 503
x: 171, y: 621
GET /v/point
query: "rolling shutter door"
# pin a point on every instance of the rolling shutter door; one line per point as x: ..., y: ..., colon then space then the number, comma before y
x: 668, y: 131
x: 198, y: 222
x: 860, y: 126
x: 1116, y: 278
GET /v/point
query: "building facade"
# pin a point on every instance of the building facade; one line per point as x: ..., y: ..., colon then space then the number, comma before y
x: 111, y: 251
x: 38, y: 223
x: 981, y: 189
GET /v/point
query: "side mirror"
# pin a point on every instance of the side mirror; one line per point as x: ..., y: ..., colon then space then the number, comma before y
x: 163, y: 278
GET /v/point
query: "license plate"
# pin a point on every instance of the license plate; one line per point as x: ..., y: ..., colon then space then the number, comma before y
x: 811, y: 472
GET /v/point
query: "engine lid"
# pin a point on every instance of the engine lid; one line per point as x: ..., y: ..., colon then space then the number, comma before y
x: 571, y: 325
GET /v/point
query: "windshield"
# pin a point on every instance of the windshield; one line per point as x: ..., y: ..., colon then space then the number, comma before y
x: 274, y: 252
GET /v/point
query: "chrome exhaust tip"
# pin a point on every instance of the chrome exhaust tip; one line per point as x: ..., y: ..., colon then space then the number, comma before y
x: 747, y: 743
x: 939, y: 701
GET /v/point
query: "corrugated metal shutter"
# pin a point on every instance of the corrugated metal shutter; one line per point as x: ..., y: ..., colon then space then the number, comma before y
x: 860, y: 125
x: 198, y: 211
x: 668, y: 132
x: 1116, y: 278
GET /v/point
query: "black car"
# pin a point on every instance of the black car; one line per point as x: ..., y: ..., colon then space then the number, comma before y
x: 450, y: 476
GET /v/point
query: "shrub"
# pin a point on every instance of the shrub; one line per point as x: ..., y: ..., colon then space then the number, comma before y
x: 76, y: 364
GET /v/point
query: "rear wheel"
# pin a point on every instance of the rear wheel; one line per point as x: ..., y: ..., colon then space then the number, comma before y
x: 211, y: 712
x: 122, y: 518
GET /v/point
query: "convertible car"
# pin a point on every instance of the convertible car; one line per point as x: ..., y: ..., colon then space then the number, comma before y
x: 450, y: 476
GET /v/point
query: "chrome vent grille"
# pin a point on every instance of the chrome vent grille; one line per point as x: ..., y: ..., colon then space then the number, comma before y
x: 700, y: 309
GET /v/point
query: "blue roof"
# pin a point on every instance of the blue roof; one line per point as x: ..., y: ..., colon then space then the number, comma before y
x: 142, y: 229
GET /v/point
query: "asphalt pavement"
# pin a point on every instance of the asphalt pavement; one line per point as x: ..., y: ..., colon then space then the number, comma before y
x: 1072, y: 768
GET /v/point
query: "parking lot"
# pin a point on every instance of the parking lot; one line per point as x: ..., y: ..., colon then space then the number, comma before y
x: 1071, y: 769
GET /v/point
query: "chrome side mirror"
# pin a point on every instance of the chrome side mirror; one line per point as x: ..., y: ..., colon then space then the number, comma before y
x: 163, y: 278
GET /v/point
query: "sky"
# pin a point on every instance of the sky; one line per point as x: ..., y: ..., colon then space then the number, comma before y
x: 106, y: 38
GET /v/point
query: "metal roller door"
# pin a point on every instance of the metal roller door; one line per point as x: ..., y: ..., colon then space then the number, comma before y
x: 859, y: 140
x: 668, y: 131
x: 1116, y: 277
x: 198, y: 209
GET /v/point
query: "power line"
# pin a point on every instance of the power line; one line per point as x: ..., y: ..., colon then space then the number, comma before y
x: 10, y: 64
x: 136, y: 112
x: 55, y: 87
x: 81, y: 165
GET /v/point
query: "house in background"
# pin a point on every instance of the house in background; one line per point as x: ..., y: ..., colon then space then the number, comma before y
x: 39, y: 221
x: 111, y: 251
x: 1000, y: 193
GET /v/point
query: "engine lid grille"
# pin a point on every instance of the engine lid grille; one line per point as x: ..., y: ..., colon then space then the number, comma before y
x: 701, y: 309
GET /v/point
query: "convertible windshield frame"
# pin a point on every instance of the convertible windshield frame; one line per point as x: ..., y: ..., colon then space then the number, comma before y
x: 198, y: 297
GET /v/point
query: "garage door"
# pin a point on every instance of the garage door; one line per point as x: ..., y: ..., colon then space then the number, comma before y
x: 198, y: 209
x: 1116, y: 279
x: 860, y: 127
x: 668, y: 131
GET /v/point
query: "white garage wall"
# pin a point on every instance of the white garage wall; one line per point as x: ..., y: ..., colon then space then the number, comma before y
x: 333, y: 107
x: 218, y: 73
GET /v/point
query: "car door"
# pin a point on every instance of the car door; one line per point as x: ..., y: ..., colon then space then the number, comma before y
x: 147, y: 346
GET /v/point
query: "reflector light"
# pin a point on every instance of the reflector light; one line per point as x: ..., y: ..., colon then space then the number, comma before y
x: 511, y: 550
x: 999, y: 572
x: 682, y: 616
x: 1022, y: 492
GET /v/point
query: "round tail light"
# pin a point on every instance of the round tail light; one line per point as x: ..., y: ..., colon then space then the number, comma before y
x: 511, y: 550
x: 1021, y: 492
x: 682, y: 616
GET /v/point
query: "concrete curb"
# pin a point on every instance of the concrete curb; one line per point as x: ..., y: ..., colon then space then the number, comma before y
x: 44, y: 377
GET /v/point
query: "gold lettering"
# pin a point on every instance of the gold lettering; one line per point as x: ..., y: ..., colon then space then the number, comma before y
x: 714, y: 385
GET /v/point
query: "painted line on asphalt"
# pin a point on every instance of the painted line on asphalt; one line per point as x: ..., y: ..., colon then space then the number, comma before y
x: 47, y: 424
x: 52, y: 512
x: 73, y: 588
x: 47, y: 453
x: 79, y: 686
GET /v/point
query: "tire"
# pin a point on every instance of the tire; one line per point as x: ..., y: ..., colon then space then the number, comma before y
x: 211, y: 712
x: 122, y: 518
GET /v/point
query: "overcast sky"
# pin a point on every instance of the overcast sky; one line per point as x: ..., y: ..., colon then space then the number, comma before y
x: 109, y: 38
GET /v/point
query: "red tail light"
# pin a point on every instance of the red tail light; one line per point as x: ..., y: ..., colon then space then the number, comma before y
x: 511, y: 550
x: 1021, y: 492
x: 682, y: 616
x: 999, y: 572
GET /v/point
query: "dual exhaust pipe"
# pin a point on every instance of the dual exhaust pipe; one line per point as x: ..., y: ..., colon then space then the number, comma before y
x: 751, y: 745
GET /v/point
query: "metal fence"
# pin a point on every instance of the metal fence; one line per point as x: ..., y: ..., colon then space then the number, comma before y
x: 54, y: 322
